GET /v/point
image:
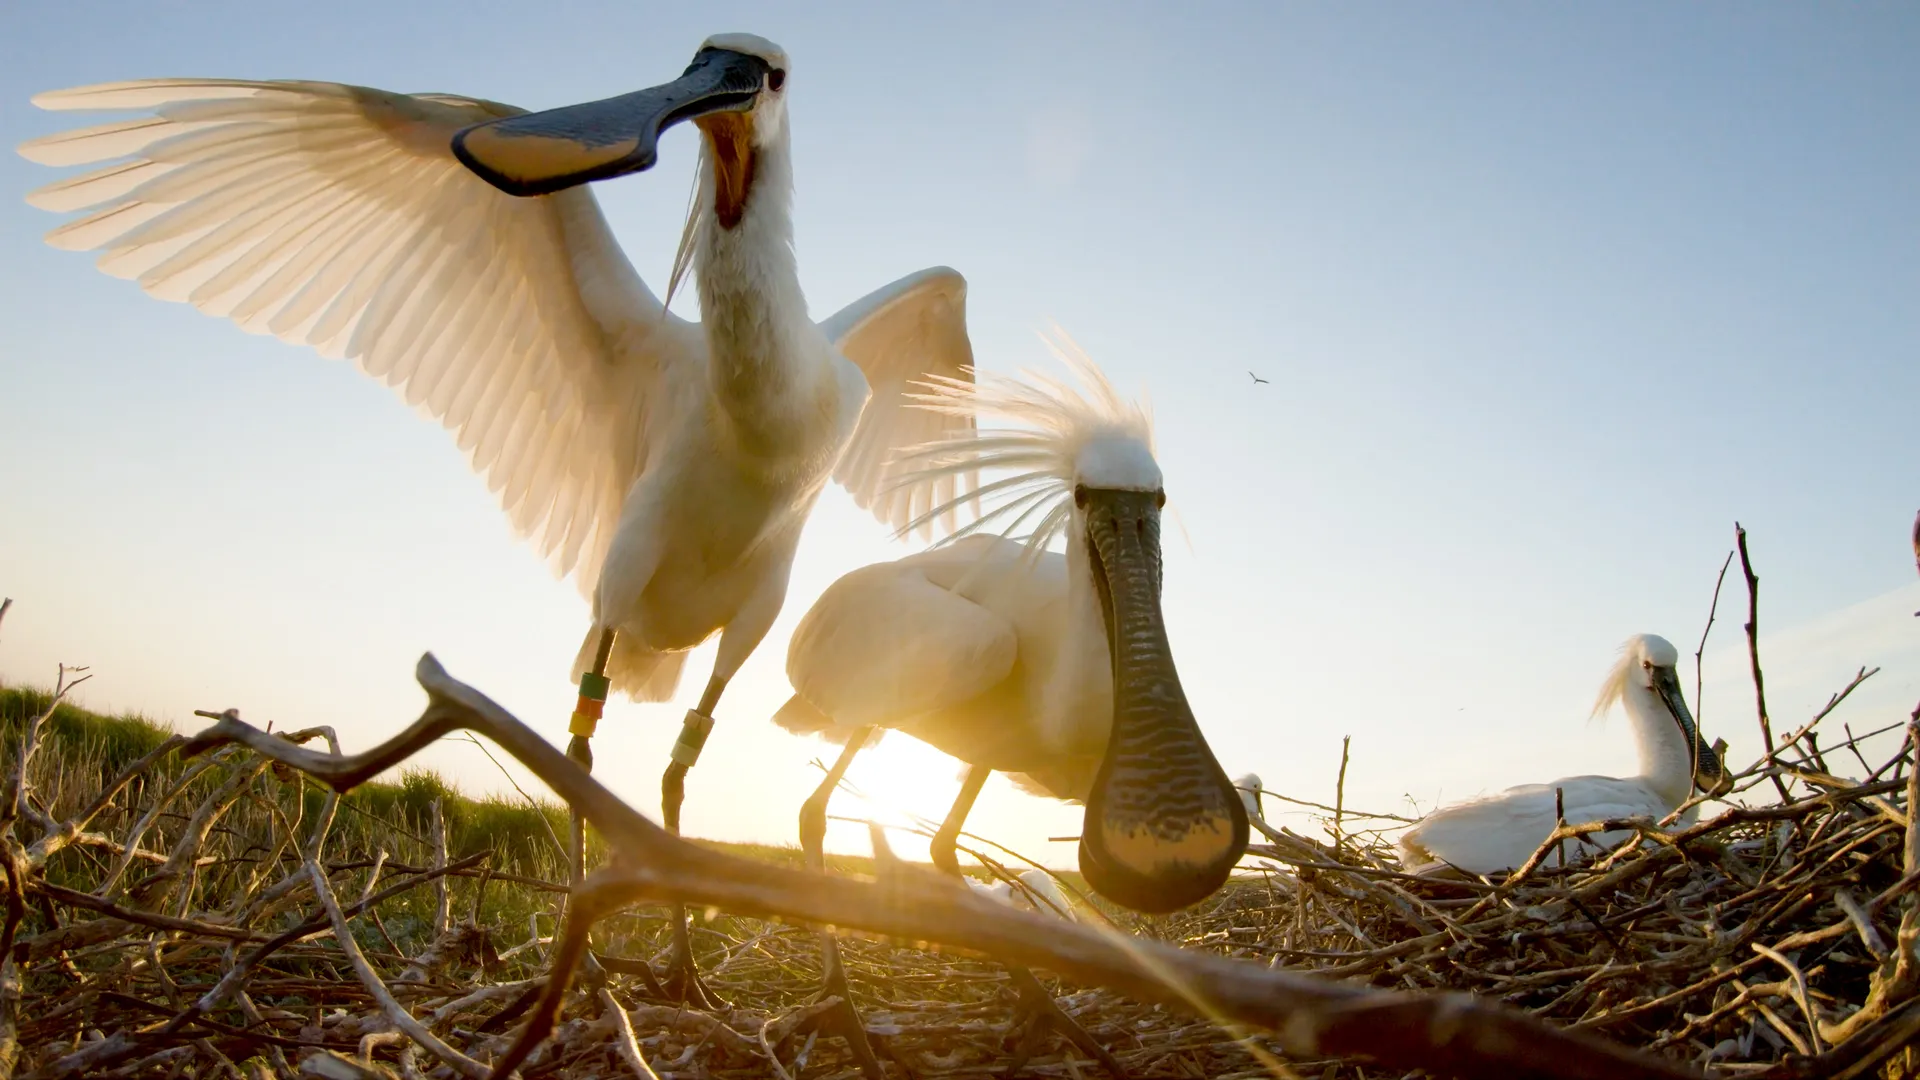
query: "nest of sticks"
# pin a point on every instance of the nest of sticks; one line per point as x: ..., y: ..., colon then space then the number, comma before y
x: 224, y: 914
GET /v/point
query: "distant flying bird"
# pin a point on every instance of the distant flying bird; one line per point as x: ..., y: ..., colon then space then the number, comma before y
x: 447, y: 246
x: 1916, y: 548
x: 1053, y: 667
x: 1503, y: 831
x: 1255, y: 378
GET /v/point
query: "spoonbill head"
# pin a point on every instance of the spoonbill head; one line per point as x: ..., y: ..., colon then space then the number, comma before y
x: 1674, y: 757
x: 1250, y: 788
x: 734, y: 90
x: 1164, y: 826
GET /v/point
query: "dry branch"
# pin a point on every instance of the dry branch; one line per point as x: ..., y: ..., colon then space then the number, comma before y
x: 1449, y: 1034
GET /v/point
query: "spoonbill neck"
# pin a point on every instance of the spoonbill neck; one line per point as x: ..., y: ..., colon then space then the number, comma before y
x: 1666, y: 759
x: 750, y: 300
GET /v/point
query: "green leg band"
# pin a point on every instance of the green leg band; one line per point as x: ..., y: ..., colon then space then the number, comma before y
x: 693, y: 737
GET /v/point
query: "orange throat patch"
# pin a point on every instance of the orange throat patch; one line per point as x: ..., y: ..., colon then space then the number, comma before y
x: 730, y: 136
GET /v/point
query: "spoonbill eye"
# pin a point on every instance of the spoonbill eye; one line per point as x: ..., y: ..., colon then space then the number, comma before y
x: 776, y: 79
x: 1160, y: 498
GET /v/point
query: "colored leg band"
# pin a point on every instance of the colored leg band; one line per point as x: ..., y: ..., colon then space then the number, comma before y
x: 593, y: 698
x: 693, y: 736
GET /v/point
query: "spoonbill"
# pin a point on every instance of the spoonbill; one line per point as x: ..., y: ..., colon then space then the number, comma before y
x: 1052, y: 666
x: 1031, y: 890
x: 1503, y: 831
x: 1250, y: 789
x: 447, y: 247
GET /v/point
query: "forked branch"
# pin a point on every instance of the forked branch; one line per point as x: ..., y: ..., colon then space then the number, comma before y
x: 1448, y: 1034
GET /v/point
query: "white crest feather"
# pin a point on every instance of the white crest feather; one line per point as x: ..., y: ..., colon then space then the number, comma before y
x: 1056, y: 421
x: 1614, y: 689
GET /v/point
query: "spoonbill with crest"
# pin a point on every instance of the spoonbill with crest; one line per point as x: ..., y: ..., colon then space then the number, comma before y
x: 447, y: 247
x: 1052, y: 666
x: 1503, y: 831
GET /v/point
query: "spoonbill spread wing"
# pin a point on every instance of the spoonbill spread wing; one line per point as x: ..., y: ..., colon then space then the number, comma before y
x: 337, y: 216
x: 900, y: 335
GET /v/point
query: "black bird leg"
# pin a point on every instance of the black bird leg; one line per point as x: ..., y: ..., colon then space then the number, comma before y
x: 682, y: 979
x: 1037, y: 1011
x: 841, y: 1018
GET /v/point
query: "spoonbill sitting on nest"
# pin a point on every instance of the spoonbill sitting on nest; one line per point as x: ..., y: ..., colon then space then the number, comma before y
x: 447, y: 247
x: 1503, y: 831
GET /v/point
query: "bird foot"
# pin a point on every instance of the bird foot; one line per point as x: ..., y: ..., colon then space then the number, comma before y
x: 681, y: 983
x: 640, y: 969
x: 832, y: 1013
x: 1038, y: 1012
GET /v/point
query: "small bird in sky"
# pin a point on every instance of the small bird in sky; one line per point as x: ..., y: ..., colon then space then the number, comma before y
x: 1916, y: 549
x: 1256, y: 378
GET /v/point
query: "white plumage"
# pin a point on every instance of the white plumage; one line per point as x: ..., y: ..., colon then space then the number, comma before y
x: 988, y: 648
x: 1037, y: 891
x: 1503, y: 831
x: 1250, y: 788
x: 1001, y: 653
x: 667, y: 465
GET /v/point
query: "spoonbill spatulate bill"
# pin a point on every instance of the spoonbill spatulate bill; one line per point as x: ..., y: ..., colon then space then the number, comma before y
x: 1052, y: 666
x: 1503, y: 831
x: 447, y: 247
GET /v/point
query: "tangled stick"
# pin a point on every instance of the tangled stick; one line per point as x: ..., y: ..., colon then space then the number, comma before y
x: 1452, y: 1034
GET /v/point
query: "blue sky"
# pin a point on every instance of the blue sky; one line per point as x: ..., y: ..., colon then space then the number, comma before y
x: 1548, y: 297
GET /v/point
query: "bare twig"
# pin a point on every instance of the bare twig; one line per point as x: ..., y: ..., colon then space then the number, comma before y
x: 539, y: 812
x: 623, y: 1030
x: 442, y: 901
x: 1340, y: 792
x: 1699, y: 710
x: 401, y: 1018
x: 1753, y: 655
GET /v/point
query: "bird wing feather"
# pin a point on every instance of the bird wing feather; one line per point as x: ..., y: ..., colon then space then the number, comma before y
x: 899, y: 335
x: 883, y: 644
x: 337, y: 216
x: 1502, y: 832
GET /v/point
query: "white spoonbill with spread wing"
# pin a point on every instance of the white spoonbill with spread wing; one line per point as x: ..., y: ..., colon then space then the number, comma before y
x: 1503, y: 831
x: 446, y: 246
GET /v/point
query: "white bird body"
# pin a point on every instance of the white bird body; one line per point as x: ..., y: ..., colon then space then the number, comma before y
x: 1050, y: 666
x: 668, y: 465
x: 980, y: 648
x: 1501, y: 832
x: 1033, y: 883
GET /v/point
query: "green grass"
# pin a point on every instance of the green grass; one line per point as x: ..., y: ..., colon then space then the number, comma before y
x: 81, y: 751
x: 247, y: 852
